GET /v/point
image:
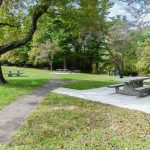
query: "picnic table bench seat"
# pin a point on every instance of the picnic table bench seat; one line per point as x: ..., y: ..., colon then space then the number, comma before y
x: 143, y: 90
x: 115, y: 85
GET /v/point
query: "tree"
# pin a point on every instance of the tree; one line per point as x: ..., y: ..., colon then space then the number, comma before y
x: 93, y: 29
x: 49, y: 51
x: 17, y: 57
x: 38, y: 11
x: 119, y: 43
x: 20, y: 18
x: 143, y: 53
x: 25, y: 15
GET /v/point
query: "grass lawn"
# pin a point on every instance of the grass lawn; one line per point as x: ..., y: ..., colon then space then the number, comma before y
x: 63, y: 122
x: 19, y: 86
x: 87, y: 81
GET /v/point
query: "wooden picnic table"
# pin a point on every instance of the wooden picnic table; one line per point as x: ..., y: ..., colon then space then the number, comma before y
x: 132, y: 86
x: 18, y: 73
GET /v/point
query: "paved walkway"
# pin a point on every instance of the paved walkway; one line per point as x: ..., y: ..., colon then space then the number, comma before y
x: 13, y: 115
x: 108, y: 96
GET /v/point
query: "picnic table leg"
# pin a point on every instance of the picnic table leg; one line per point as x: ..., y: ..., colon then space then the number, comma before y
x: 141, y: 94
x: 9, y: 75
x: 138, y: 84
x: 128, y: 89
x: 117, y: 89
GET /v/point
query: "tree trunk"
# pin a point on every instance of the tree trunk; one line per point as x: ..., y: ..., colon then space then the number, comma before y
x: 90, y: 65
x: 109, y: 71
x: 51, y: 62
x: 120, y: 71
x: 51, y: 65
x: 121, y: 68
x: 97, y: 67
x: 2, y: 79
x: 65, y: 62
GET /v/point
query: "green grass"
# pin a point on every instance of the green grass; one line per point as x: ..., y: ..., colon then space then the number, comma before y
x: 87, y: 81
x: 87, y: 84
x: 63, y: 122
x: 18, y: 86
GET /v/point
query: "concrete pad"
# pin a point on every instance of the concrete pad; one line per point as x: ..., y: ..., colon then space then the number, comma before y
x: 108, y: 96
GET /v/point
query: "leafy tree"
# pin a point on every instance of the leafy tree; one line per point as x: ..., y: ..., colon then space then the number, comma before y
x: 50, y: 50
x: 10, y: 12
x: 143, y: 54
x: 24, y: 15
x: 17, y: 57
x: 119, y: 43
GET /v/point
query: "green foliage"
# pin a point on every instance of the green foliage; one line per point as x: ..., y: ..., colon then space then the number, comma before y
x: 78, y: 31
x: 17, y: 57
x: 144, y: 57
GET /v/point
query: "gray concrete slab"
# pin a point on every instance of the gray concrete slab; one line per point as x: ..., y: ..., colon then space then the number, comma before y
x: 108, y: 96
x: 13, y: 115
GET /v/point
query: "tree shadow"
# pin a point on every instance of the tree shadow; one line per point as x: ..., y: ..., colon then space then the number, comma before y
x: 22, y: 83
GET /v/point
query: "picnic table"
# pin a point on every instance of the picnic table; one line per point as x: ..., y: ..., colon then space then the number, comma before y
x: 18, y: 73
x: 62, y: 70
x: 132, y: 86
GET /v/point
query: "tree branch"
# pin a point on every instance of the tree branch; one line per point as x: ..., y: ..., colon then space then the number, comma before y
x: 39, y: 11
x: 2, y: 24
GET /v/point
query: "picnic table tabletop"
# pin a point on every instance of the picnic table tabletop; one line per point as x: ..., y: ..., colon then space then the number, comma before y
x: 132, y: 79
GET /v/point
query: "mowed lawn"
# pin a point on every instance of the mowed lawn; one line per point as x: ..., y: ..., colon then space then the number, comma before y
x: 64, y: 122
x: 83, y: 81
x: 18, y: 86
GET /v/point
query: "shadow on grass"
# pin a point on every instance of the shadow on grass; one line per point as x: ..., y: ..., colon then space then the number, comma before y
x: 17, y: 76
x: 24, y: 83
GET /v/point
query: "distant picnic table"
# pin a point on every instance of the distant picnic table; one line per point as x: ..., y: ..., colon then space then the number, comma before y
x: 132, y: 86
x: 66, y: 70
x: 11, y: 73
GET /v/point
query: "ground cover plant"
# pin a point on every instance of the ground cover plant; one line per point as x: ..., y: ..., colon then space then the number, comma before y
x: 87, y: 81
x: 18, y: 86
x: 64, y: 122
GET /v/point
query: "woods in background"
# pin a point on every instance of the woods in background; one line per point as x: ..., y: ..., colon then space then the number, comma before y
x: 72, y: 34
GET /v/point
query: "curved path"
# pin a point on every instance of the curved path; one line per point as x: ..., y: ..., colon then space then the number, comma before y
x: 13, y: 115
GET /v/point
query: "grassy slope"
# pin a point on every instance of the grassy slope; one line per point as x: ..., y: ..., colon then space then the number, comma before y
x: 87, y: 81
x: 63, y: 122
x: 18, y: 86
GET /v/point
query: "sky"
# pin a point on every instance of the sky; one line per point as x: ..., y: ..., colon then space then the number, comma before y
x: 119, y: 8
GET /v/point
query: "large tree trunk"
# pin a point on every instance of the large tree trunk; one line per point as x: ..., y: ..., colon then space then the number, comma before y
x: 2, y: 79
